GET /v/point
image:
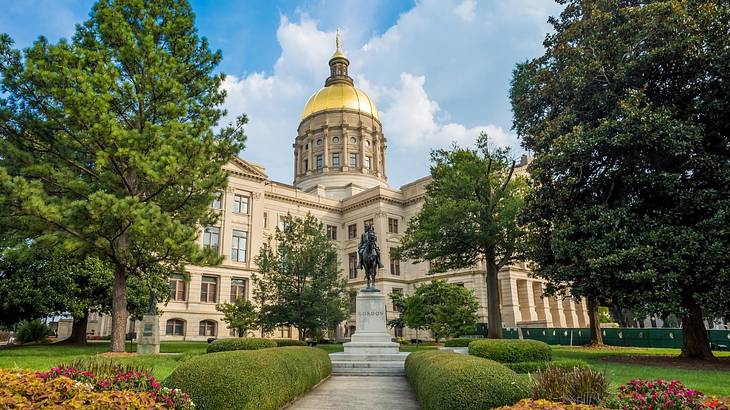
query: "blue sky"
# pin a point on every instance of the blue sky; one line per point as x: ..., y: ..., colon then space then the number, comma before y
x: 438, y: 70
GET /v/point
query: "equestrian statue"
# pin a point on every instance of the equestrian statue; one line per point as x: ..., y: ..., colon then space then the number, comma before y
x: 369, y: 257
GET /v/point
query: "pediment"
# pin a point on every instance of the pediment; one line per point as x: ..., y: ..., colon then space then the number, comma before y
x: 246, y: 169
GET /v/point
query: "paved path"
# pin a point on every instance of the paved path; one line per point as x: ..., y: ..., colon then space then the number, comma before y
x: 359, y: 393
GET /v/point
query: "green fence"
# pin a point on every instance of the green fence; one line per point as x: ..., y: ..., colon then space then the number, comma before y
x: 635, y: 337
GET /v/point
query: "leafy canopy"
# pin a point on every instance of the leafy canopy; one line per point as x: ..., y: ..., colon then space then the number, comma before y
x: 299, y: 281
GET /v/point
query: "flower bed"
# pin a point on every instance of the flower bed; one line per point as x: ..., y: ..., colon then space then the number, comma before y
x: 662, y: 394
x: 546, y: 405
x: 132, y: 381
x: 23, y: 389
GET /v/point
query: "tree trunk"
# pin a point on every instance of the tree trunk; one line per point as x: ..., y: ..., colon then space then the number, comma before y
x: 595, y: 323
x: 494, y: 313
x: 696, y: 343
x: 119, y: 309
x: 78, y: 330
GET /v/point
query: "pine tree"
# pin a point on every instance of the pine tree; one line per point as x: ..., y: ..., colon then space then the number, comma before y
x: 107, y: 141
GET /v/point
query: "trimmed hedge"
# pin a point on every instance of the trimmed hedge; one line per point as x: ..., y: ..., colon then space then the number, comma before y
x: 240, y: 343
x: 445, y: 380
x: 255, y: 379
x: 460, y: 342
x: 511, y: 351
x: 532, y: 367
x: 290, y: 342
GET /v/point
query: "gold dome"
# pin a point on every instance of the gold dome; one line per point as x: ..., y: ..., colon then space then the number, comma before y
x: 338, y: 96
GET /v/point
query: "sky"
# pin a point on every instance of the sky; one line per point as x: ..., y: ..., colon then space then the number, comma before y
x: 438, y: 70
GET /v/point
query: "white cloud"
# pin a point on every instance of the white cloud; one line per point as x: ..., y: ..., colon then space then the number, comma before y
x: 466, y: 10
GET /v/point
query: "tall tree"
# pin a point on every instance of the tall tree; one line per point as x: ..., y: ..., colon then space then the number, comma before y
x: 469, y: 215
x: 301, y: 279
x: 106, y: 141
x: 626, y: 113
x: 42, y: 280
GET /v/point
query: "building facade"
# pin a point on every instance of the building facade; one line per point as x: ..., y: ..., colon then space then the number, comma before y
x: 340, y: 178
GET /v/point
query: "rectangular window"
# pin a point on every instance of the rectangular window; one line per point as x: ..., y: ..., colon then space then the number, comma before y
x: 177, y: 288
x: 335, y: 159
x: 367, y: 162
x: 217, y: 200
x: 238, y: 289
x: 305, y: 165
x: 284, y: 332
x: 353, y: 160
x: 175, y: 327
x: 209, y: 289
x: 352, y: 231
x: 392, y: 225
x: 332, y: 232
x: 238, y: 248
x: 241, y: 203
x: 211, y: 237
x: 394, y: 264
x: 318, y: 160
x: 352, y: 264
x: 266, y: 219
x: 368, y: 222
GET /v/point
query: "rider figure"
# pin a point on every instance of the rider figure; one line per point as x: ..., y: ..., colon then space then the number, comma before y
x: 369, y: 234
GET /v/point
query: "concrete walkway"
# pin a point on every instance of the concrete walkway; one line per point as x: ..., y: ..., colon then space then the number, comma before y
x: 359, y: 393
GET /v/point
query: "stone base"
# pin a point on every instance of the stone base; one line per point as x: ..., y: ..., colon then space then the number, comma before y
x: 148, y: 341
x: 371, y: 350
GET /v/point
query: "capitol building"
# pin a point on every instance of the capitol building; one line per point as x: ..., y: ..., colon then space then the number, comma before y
x: 340, y: 177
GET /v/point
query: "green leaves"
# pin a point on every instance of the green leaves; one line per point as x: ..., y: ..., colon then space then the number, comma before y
x: 299, y: 282
x: 240, y: 315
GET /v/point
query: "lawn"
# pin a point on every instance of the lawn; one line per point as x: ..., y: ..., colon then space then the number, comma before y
x: 41, y: 357
x: 44, y: 356
x: 710, y: 382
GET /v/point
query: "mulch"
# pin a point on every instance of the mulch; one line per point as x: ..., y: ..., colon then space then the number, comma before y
x: 674, y: 362
x: 118, y: 354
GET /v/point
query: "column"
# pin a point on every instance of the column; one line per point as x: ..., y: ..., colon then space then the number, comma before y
x: 541, y: 303
x: 345, y: 160
x: 376, y: 154
x: 311, y: 164
x: 571, y: 318
x: 531, y: 306
x: 296, y: 161
x: 510, y: 309
x: 361, y: 165
x: 523, y: 301
x: 327, y: 162
x: 556, y: 311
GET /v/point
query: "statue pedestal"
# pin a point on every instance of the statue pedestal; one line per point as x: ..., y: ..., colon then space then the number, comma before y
x: 148, y: 341
x: 370, y: 351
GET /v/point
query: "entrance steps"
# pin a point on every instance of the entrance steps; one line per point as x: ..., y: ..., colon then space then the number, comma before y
x: 354, y: 364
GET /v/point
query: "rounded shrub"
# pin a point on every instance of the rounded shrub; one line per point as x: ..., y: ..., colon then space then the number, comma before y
x: 289, y: 342
x: 445, y: 380
x: 460, y: 342
x: 32, y: 331
x: 532, y: 367
x: 240, y: 343
x: 511, y: 351
x: 255, y: 379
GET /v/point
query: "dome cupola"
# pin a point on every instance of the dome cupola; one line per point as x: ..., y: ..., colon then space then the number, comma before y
x: 340, y: 147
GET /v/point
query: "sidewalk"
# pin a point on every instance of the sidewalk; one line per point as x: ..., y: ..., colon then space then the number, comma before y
x: 359, y: 393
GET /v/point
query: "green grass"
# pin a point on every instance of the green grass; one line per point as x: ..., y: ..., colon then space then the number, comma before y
x: 44, y: 356
x: 709, y: 382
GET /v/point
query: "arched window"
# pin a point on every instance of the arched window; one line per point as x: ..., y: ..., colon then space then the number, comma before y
x: 175, y: 327
x: 207, y: 328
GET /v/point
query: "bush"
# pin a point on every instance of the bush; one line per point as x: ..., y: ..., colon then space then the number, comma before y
x: 33, y: 331
x: 532, y: 367
x: 460, y: 342
x: 585, y: 386
x: 260, y: 379
x: 511, y: 351
x: 445, y: 380
x: 656, y: 394
x: 103, y: 367
x: 22, y: 389
x: 289, y: 342
x: 240, y: 343
x: 546, y: 405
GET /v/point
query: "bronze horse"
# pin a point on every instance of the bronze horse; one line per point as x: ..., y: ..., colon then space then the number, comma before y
x: 369, y: 258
